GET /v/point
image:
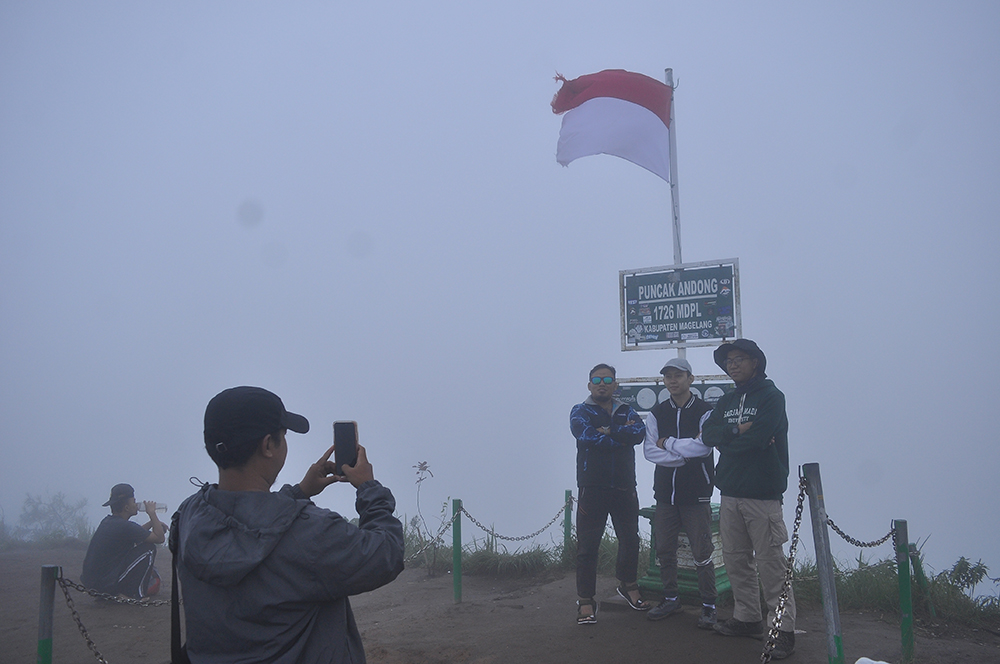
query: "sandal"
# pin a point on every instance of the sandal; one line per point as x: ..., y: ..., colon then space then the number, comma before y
x: 588, y: 618
x: 637, y: 604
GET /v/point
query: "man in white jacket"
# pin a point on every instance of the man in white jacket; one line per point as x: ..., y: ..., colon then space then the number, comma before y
x: 682, y: 485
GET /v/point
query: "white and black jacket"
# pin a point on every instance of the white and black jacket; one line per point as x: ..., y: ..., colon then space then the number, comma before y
x: 685, y: 467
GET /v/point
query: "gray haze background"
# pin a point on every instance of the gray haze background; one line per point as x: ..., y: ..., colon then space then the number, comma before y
x: 358, y: 207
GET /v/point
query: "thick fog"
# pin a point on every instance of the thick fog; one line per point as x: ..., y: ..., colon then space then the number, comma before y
x: 357, y: 206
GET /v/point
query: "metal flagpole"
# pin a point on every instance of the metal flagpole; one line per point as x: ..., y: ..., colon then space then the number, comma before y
x: 675, y: 200
x: 674, y: 193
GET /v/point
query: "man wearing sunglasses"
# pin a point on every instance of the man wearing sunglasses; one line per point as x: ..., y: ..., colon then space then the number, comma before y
x: 750, y: 428
x: 606, y: 432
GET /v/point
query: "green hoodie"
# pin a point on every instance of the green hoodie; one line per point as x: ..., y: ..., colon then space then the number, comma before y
x: 753, y: 464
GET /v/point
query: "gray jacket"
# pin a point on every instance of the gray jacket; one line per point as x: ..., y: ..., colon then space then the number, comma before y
x: 265, y: 576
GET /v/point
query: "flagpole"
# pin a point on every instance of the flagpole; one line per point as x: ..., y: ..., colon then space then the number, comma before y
x: 675, y: 201
x: 674, y: 193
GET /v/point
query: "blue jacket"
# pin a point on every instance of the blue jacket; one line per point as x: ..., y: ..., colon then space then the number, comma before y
x: 265, y: 576
x: 606, y: 460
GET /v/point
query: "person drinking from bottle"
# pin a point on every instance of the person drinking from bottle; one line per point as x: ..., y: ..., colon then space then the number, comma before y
x: 121, y: 554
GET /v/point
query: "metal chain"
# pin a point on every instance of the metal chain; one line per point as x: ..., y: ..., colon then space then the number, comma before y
x: 437, y: 538
x: 63, y: 583
x: 851, y: 540
x: 786, y: 588
x: 489, y: 531
x: 111, y: 598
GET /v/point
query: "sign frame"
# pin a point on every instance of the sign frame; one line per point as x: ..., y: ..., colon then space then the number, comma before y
x: 629, y: 389
x: 737, y: 331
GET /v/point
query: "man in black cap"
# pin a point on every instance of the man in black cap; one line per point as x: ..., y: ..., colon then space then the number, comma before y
x: 121, y: 554
x: 682, y: 487
x: 750, y: 428
x: 266, y: 576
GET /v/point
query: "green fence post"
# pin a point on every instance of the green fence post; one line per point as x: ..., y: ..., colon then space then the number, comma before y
x: 456, y: 548
x: 46, y: 604
x: 568, y: 523
x: 905, y: 598
x: 824, y: 563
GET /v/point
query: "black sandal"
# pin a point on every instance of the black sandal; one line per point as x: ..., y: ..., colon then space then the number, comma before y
x: 586, y: 618
x: 638, y: 604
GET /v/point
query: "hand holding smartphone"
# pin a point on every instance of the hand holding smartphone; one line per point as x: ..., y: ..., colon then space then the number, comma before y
x: 345, y: 445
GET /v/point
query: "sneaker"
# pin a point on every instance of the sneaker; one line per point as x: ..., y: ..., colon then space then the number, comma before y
x: 666, y: 608
x: 734, y: 627
x: 707, y: 619
x: 784, y: 645
x: 153, y: 586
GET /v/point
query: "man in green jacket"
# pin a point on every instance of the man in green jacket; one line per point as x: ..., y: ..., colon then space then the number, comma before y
x: 750, y: 428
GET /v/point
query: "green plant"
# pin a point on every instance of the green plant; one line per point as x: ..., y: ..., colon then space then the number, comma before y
x: 967, y: 575
x: 436, y: 558
x: 875, y: 586
x: 491, y: 559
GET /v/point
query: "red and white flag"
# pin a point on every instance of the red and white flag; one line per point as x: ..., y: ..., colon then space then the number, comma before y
x: 615, y: 112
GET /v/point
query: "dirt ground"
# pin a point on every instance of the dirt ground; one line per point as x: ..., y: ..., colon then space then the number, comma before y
x: 415, y: 619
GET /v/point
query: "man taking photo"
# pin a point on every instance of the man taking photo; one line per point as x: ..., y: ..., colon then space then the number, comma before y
x: 266, y: 575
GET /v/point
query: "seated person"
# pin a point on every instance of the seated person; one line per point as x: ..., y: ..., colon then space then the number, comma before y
x: 121, y: 553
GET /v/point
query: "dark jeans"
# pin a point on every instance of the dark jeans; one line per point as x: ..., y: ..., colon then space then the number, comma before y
x: 592, y: 509
x: 696, y: 520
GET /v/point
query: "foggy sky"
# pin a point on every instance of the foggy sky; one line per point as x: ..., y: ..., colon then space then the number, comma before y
x: 358, y: 207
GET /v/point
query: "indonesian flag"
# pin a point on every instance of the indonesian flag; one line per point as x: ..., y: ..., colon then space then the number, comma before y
x: 615, y: 112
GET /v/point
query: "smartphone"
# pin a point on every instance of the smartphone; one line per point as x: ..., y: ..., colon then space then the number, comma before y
x: 345, y: 444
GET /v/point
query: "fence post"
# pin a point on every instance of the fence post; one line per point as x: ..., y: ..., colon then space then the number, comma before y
x: 905, y: 598
x: 568, y: 523
x: 456, y: 548
x: 824, y: 563
x: 46, y: 604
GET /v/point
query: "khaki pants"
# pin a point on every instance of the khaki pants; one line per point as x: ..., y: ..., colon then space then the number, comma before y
x: 752, y: 534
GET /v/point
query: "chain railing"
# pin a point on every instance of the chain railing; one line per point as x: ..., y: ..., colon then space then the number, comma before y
x: 810, y: 483
x: 859, y: 543
x: 111, y: 598
x: 492, y: 533
x: 63, y: 583
x: 436, y: 539
x: 786, y: 588
x: 67, y: 584
x: 790, y: 568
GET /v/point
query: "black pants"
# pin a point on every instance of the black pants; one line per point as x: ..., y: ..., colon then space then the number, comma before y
x: 593, y: 507
x: 135, y: 575
x: 696, y: 521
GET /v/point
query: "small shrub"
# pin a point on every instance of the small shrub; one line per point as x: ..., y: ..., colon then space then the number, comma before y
x: 875, y: 587
x: 46, y: 521
x: 435, y: 557
x: 488, y: 561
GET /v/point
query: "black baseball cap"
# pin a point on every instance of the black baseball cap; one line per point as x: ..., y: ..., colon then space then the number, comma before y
x: 243, y: 415
x: 120, y: 493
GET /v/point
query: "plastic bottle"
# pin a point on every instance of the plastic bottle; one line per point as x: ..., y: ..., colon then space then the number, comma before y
x: 160, y: 507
